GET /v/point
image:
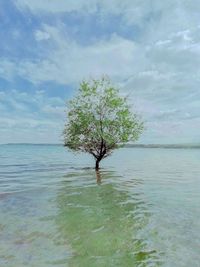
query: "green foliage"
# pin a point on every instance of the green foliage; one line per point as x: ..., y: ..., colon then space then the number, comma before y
x: 99, y: 120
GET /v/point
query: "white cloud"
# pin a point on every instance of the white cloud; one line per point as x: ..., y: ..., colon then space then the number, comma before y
x: 71, y: 62
x: 168, y: 45
x: 170, y: 13
x: 58, y: 6
x: 31, y: 117
x: 160, y: 67
x: 7, y: 68
x: 41, y: 35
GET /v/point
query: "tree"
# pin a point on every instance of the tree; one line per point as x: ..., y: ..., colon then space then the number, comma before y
x: 99, y: 120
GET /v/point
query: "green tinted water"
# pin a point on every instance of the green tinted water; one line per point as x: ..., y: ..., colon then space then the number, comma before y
x: 144, y: 210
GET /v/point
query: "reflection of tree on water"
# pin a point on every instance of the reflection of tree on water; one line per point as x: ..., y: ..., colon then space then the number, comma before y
x: 98, y: 176
x: 101, y: 224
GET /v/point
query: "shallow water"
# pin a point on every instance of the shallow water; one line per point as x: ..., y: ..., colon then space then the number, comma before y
x: 144, y: 211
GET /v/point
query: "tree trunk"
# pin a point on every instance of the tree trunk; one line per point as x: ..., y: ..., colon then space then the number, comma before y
x: 97, y: 165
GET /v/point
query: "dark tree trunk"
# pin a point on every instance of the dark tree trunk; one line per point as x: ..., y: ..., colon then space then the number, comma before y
x: 97, y: 165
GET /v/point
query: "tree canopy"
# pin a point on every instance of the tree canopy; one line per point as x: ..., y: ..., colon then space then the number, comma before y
x: 100, y: 120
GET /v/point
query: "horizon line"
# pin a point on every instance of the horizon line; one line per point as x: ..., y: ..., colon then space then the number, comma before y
x: 128, y: 145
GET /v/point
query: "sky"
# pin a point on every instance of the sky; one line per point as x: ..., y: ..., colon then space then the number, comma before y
x: 149, y: 48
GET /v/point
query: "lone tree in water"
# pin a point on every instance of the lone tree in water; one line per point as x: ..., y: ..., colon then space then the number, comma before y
x: 99, y: 120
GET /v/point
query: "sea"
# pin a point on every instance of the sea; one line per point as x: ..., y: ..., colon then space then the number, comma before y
x: 141, y: 209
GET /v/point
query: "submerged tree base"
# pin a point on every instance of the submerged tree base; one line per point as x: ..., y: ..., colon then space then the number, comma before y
x: 97, y: 165
x: 98, y: 176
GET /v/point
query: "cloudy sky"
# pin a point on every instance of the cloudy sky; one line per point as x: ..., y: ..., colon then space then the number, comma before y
x: 149, y: 48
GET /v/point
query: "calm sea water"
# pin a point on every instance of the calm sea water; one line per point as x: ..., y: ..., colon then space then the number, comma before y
x: 144, y: 212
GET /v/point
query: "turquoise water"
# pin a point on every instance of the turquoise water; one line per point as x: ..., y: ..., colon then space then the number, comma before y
x: 143, y: 211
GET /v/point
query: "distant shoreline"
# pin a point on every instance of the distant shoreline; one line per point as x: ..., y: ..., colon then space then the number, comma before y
x: 165, y: 146
x: 30, y: 144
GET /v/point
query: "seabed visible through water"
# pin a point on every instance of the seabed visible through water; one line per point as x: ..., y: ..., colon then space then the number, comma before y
x: 143, y: 211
